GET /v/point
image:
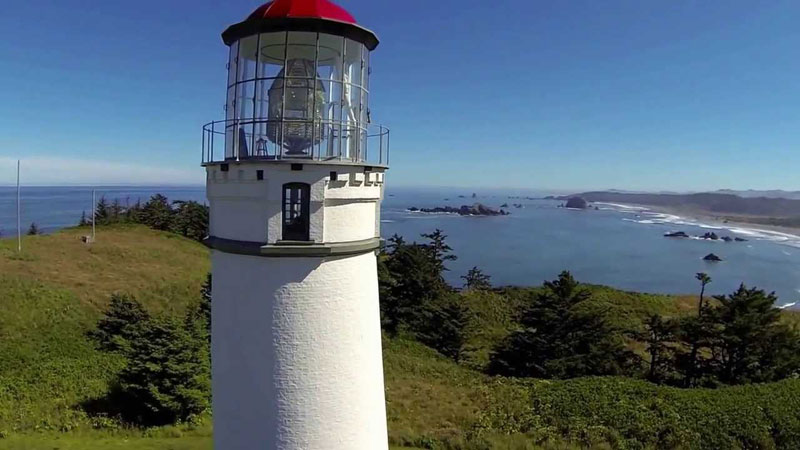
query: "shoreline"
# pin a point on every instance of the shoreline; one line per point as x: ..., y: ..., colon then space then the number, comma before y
x: 703, y: 218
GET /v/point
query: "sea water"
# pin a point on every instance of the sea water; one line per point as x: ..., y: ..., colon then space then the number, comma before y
x: 616, y: 245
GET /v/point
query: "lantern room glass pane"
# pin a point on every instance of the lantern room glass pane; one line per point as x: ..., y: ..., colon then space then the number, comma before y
x: 272, y: 54
x: 329, y: 66
x: 302, y: 46
x: 248, y: 55
x: 233, y: 58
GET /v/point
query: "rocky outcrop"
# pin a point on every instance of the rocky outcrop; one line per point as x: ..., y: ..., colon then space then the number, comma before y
x: 738, y: 239
x: 711, y: 235
x: 677, y: 234
x: 577, y: 203
x: 478, y: 209
x: 712, y: 258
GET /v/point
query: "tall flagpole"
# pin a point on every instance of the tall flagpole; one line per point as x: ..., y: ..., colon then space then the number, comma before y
x: 19, y: 220
x: 94, y: 211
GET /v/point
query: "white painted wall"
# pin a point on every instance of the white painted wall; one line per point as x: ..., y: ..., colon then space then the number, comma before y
x: 349, y: 220
x: 243, y: 208
x: 296, y: 354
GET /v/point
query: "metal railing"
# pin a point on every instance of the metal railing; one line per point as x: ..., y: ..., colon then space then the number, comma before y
x: 254, y: 139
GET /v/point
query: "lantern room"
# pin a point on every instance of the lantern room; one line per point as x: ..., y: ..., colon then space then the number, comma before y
x: 297, y: 88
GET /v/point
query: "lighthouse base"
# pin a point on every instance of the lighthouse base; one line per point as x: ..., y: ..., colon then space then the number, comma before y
x: 296, y: 353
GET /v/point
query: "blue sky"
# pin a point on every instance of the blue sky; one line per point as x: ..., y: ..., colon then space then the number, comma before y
x: 678, y: 95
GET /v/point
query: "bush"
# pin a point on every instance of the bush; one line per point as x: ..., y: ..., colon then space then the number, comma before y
x: 636, y: 414
x: 167, y: 378
x: 122, y: 324
x: 560, y: 337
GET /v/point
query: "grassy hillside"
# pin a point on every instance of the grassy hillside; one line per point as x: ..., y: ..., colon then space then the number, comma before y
x: 55, y: 291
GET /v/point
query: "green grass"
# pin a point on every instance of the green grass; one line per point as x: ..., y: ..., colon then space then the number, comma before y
x: 55, y: 291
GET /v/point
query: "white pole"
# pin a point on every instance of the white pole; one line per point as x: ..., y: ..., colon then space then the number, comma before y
x: 19, y: 219
x: 94, y: 210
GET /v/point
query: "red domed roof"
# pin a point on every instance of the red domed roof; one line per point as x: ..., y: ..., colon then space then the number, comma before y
x: 318, y: 9
x: 301, y: 15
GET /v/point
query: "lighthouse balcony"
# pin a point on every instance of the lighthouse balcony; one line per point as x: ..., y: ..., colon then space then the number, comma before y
x: 302, y: 141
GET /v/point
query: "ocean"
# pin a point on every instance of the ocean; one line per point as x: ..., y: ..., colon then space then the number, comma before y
x: 615, y: 245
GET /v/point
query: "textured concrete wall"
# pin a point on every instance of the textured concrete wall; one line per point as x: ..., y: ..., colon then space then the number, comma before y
x: 349, y: 221
x: 247, y: 209
x: 296, y: 353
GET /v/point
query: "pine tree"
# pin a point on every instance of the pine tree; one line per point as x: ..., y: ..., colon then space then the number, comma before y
x: 167, y: 378
x: 476, y: 280
x: 695, y: 331
x: 438, y: 250
x: 33, y: 230
x: 752, y: 344
x: 190, y: 220
x: 120, y: 324
x: 659, y: 335
x: 561, y: 338
x: 84, y: 222
x: 157, y: 213
x: 102, y: 211
x: 443, y: 326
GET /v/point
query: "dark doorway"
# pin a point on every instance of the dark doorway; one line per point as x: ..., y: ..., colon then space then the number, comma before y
x: 296, y: 212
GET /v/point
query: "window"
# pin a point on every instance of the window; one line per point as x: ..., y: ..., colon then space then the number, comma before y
x: 296, y: 212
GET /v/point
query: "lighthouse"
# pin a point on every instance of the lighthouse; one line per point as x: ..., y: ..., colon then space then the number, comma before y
x: 295, y: 179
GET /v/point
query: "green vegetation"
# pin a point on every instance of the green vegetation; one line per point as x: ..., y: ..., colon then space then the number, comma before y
x: 189, y: 219
x: 52, y: 362
x: 167, y: 373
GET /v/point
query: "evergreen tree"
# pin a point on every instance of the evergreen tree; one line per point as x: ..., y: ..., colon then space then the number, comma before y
x: 121, y: 323
x: 659, y: 336
x: 191, y: 220
x: 475, y: 279
x: 84, y: 222
x: 33, y: 230
x: 409, y: 278
x: 134, y: 213
x: 439, y: 251
x: 752, y: 345
x: 167, y: 378
x: 116, y: 212
x: 157, y: 213
x: 205, y: 302
x: 167, y: 375
x: 561, y: 338
x: 443, y: 326
x: 102, y: 211
x: 695, y: 331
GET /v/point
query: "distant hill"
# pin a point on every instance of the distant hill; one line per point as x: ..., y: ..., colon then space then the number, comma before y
x: 773, y: 193
x: 713, y: 203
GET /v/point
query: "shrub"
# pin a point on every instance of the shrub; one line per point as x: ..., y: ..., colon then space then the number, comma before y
x: 561, y: 338
x: 121, y: 324
x: 167, y: 378
x: 636, y: 414
x: 167, y: 375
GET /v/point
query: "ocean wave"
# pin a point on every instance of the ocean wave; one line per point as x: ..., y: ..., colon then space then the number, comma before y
x: 658, y: 218
x: 624, y: 207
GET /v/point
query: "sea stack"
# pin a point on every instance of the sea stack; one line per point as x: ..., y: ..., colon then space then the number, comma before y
x: 712, y: 258
x: 295, y: 179
x: 577, y: 203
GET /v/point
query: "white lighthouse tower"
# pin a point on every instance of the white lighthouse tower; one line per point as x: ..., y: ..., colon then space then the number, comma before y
x: 295, y: 179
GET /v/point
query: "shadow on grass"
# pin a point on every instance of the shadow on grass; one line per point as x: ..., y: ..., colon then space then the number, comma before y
x: 124, y: 408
